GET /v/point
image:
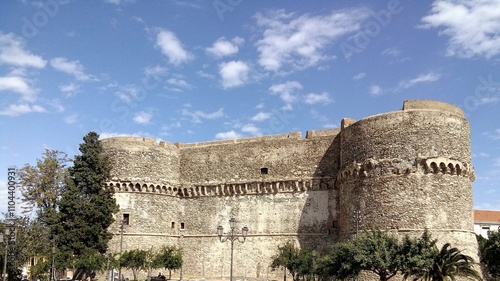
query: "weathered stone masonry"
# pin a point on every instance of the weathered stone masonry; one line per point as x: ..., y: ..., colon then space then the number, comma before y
x: 404, y: 171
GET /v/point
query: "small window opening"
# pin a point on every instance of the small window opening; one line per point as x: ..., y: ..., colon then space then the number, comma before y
x: 173, y: 224
x: 126, y: 219
x: 335, y: 224
x: 182, y: 225
x: 264, y: 171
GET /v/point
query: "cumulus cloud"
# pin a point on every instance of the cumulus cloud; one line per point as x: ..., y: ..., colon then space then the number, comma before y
x: 285, y: 90
x: 142, y: 117
x: 12, y: 52
x: 261, y: 116
x: 70, y: 89
x: 228, y: 135
x: 172, y: 47
x: 18, y: 85
x: 473, y: 26
x: 251, y: 129
x: 74, y: 68
x: 223, y: 47
x: 300, y: 41
x: 131, y: 93
x: 20, y: 109
x: 313, y: 98
x: 234, y: 74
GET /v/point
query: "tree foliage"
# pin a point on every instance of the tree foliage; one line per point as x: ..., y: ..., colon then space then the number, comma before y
x: 86, y: 208
x: 134, y: 260
x: 490, y: 253
x: 170, y: 258
x: 287, y: 257
x: 448, y: 263
x: 378, y: 252
x: 43, y: 184
x: 340, y: 263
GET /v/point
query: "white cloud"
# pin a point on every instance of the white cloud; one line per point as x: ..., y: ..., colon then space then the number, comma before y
x: 20, y: 109
x: 285, y: 90
x: 473, y: 26
x: 261, y: 116
x: 495, y: 135
x: 234, y: 74
x: 375, y: 90
x: 18, y: 85
x: 142, y: 117
x: 74, y: 68
x: 359, y: 76
x: 300, y: 41
x: 228, y: 135
x: 252, y: 130
x: 197, y: 116
x: 392, y: 52
x: 422, y: 78
x: 179, y: 83
x: 12, y: 52
x: 313, y: 98
x: 131, y: 93
x: 70, y: 89
x: 223, y: 47
x: 171, y: 47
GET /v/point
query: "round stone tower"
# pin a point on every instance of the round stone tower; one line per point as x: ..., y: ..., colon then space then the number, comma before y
x: 408, y: 170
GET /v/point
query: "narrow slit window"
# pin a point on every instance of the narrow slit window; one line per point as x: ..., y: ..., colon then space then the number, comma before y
x: 173, y: 224
x: 182, y: 225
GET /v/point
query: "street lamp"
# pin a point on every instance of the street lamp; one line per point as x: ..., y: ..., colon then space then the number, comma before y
x: 122, y: 225
x: 52, y: 271
x: 6, y: 237
x: 231, y: 236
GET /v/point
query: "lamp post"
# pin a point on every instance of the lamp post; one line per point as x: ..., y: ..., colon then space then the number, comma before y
x: 232, y: 236
x: 122, y: 225
x: 357, y: 220
x: 52, y: 272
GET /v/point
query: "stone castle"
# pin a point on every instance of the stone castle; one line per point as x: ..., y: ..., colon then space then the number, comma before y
x: 401, y: 171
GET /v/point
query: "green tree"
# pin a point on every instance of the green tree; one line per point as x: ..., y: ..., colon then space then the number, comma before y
x: 43, y: 184
x: 417, y: 253
x: 286, y: 257
x: 448, y: 263
x: 170, y: 258
x: 86, y: 208
x: 134, y: 260
x: 490, y: 253
x: 340, y: 263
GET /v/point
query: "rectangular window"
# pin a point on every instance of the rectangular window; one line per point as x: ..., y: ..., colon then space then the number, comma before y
x: 335, y: 224
x: 126, y: 219
x: 173, y: 224
x: 182, y: 225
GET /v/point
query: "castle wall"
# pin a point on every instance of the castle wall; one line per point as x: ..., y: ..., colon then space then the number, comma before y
x: 285, y: 156
x: 404, y: 171
x: 142, y: 160
x: 409, y: 170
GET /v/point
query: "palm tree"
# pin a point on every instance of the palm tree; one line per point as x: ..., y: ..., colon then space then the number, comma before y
x: 448, y: 264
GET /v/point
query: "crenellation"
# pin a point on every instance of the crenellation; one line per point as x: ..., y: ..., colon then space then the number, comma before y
x: 404, y: 171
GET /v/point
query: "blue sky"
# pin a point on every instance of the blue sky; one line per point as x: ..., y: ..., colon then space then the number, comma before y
x: 192, y: 71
